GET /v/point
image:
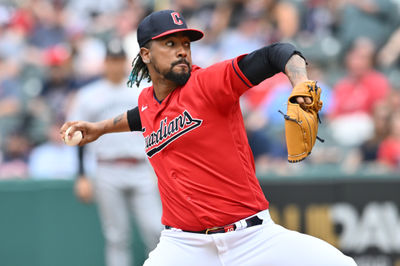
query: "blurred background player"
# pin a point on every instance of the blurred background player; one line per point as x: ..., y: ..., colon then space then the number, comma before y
x: 124, y: 183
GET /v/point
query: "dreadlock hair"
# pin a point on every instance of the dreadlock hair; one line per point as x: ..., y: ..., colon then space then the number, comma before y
x: 139, y: 70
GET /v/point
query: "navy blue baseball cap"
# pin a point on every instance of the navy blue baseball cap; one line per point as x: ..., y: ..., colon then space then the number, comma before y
x: 162, y: 23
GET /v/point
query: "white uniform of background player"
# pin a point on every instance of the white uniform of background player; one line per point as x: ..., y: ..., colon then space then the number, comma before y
x: 124, y: 183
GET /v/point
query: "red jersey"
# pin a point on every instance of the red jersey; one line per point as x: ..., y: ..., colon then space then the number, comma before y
x: 197, y: 144
x: 350, y: 96
x: 389, y: 152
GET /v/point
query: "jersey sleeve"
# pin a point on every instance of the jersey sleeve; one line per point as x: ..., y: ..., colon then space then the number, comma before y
x: 134, y: 121
x: 267, y: 61
x: 223, y: 83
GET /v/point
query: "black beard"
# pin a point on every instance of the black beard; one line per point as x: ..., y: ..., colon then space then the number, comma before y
x: 179, y: 79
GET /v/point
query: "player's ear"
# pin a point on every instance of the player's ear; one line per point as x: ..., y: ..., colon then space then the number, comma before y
x: 145, y: 54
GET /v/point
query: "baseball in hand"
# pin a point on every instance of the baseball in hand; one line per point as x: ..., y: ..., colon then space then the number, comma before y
x: 75, y: 139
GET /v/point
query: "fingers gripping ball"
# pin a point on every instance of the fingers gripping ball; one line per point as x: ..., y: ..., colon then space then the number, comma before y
x: 75, y: 138
x: 301, y: 122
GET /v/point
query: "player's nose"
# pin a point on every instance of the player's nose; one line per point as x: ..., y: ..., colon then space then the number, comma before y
x: 182, y: 53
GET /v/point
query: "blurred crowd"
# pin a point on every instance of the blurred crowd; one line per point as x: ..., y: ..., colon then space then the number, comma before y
x: 49, y: 49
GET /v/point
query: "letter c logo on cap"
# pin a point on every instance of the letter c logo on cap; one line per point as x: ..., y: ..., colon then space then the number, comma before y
x: 177, y: 18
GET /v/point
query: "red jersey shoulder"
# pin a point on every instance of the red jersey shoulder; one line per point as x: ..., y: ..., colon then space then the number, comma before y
x: 145, y: 98
x: 225, y: 72
x: 195, y: 68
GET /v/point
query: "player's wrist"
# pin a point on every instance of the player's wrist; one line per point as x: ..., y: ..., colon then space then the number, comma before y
x: 104, y: 127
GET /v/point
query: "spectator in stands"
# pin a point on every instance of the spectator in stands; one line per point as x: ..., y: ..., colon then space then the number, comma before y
x: 48, y: 29
x: 369, y: 149
x: 388, y: 59
x: 287, y: 20
x: 87, y: 57
x: 10, y: 96
x: 226, y: 15
x: 316, y: 36
x: 268, y: 151
x: 15, y: 156
x: 59, y: 84
x: 355, y: 95
x: 390, y: 53
x: 394, y: 99
x: 367, y: 153
x: 11, y: 49
x: 53, y: 159
x: 245, y: 38
x: 389, y: 150
x: 373, y: 19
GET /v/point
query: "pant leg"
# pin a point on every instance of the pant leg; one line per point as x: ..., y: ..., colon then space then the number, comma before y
x: 184, y: 249
x: 144, y: 201
x: 273, y: 245
x: 146, y: 208
x: 114, y: 216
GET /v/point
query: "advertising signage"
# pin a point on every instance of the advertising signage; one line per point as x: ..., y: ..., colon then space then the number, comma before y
x: 360, y: 217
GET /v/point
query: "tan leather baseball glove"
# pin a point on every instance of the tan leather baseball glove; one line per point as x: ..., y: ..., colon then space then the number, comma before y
x: 301, y: 122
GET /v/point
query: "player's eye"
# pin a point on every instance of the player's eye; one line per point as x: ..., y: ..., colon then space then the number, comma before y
x: 186, y: 44
x: 169, y: 43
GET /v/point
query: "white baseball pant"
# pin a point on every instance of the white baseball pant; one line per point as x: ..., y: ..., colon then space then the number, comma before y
x: 267, y: 244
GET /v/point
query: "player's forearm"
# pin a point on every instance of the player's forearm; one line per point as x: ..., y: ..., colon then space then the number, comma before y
x: 92, y: 131
x: 296, y: 70
x: 128, y: 121
x: 116, y: 124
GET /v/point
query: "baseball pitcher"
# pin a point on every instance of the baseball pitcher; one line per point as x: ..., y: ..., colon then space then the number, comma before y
x: 214, y: 210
